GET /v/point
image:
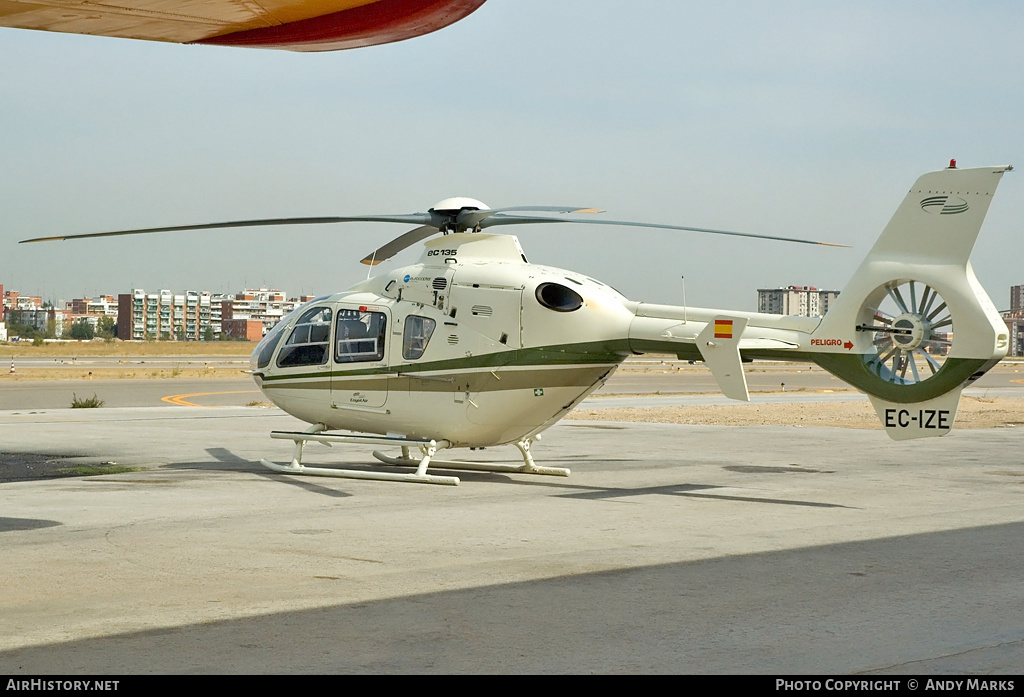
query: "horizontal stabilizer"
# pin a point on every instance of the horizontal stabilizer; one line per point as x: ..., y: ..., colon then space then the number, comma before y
x: 719, y: 345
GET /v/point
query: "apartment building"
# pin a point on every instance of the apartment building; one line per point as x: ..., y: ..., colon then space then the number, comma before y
x: 806, y: 301
x: 201, y: 316
x: 13, y: 300
x: 1014, y: 319
x: 262, y: 305
x: 164, y: 315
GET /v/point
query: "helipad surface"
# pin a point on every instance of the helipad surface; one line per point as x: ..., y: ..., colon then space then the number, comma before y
x: 670, y: 548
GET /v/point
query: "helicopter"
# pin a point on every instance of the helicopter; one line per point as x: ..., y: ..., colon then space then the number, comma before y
x: 473, y: 346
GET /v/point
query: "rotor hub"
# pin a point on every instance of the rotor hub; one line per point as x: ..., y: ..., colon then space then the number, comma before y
x: 450, y: 211
x: 915, y: 325
x: 459, y: 203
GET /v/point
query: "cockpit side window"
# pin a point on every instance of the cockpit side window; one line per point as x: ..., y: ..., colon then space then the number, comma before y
x: 308, y: 342
x: 360, y: 336
x: 417, y: 334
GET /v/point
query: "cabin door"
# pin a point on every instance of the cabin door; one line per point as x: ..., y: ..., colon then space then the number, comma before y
x: 360, y: 377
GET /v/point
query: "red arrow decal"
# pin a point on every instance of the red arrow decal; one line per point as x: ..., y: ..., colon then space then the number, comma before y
x: 848, y: 345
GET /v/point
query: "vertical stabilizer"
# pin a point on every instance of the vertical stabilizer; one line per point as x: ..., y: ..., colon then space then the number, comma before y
x: 914, y: 326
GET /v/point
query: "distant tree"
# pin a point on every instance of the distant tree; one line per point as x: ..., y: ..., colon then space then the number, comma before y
x: 82, y: 330
x: 51, y: 328
x: 23, y: 331
x: 106, y: 327
x: 208, y: 333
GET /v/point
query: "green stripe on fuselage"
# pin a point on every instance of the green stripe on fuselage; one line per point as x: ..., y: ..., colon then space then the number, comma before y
x: 856, y: 370
x: 852, y: 368
x: 581, y: 362
x: 563, y: 354
x: 477, y: 381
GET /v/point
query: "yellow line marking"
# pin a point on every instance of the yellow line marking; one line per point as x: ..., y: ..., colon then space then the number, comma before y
x: 179, y: 399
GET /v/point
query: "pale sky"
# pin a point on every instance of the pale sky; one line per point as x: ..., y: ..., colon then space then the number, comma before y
x: 801, y: 119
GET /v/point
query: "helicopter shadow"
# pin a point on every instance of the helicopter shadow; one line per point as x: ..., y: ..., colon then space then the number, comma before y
x: 228, y: 461
x: 17, y: 524
x: 568, y: 490
x: 225, y: 460
x: 683, y: 489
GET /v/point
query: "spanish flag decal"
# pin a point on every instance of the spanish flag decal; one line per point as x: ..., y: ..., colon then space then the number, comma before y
x: 723, y: 328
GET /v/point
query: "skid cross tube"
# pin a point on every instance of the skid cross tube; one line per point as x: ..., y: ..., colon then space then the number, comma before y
x: 426, y: 447
x: 528, y: 466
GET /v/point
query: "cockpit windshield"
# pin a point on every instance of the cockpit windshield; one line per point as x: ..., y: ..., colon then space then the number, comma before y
x: 307, y: 344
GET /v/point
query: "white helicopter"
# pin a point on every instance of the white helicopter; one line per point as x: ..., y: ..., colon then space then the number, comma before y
x: 473, y: 346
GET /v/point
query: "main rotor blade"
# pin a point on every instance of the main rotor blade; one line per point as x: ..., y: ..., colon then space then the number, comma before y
x: 550, y: 209
x: 398, y: 244
x: 471, y: 219
x: 413, y: 219
x: 500, y: 219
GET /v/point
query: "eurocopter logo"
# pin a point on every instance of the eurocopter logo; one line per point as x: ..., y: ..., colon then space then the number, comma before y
x: 944, y: 205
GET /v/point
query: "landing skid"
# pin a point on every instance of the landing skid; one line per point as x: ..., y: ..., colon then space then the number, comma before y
x: 427, y: 450
x: 528, y: 466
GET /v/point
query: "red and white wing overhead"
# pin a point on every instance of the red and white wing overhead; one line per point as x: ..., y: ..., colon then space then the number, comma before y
x: 295, y: 25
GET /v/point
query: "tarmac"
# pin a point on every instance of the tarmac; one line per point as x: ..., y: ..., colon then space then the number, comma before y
x: 669, y: 549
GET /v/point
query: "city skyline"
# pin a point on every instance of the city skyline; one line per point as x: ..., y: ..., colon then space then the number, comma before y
x: 795, y: 119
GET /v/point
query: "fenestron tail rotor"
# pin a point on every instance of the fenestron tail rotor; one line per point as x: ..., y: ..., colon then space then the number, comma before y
x: 449, y: 215
x: 913, y: 330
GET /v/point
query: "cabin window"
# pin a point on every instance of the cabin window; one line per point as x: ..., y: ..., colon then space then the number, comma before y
x: 360, y: 336
x: 307, y: 344
x: 417, y: 334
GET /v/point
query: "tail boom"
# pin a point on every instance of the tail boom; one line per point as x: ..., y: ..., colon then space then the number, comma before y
x: 890, y: 333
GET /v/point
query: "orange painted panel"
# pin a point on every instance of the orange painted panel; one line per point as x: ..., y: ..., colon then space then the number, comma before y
x: 305, y: 25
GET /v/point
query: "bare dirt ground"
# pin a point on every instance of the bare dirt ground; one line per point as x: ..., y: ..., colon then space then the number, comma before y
x: 186, y: 370
x: 127, y: 349
x: 974, y: 412
x: 187, y: 358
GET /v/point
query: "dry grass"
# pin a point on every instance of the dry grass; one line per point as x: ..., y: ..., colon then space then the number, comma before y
x: 140, y: 372
x: 184, y: 355
x: 128, y: 349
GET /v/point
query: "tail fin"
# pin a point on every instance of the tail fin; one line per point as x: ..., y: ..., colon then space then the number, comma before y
x: 891, y: 332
